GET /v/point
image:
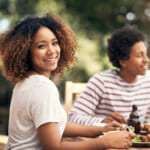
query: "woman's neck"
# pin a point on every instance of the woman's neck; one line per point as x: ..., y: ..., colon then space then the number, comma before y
x: 37, y: 73
x: 127, y: 76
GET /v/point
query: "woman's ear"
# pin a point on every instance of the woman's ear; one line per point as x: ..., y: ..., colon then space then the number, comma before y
x: 122, y: 63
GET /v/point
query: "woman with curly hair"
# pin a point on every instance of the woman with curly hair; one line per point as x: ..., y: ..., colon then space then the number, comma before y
x: 32, y: 51
x: 109, y: 95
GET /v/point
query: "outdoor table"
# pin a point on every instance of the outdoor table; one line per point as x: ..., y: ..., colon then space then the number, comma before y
x: 133, y: 148
x: 85, y: 138
x: 3, y: 141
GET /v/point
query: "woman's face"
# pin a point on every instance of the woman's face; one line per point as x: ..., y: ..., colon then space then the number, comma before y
x: 45, y: 51
x: 137, y: 64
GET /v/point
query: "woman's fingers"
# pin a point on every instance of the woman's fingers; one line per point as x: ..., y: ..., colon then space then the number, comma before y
x: 118, y: 117
x: 132, y: 135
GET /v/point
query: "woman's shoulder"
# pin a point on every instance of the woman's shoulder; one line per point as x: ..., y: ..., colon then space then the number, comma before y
x: 106, y: 74
x: 37, y: 87
x: 36, y: 82
x: 39, y: 80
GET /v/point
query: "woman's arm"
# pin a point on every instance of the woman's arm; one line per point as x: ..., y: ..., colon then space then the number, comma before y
x: 50, y: 139
x: 90, y: 131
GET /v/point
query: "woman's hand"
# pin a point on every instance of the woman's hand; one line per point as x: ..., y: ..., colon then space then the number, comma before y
x: 115, y: 116
x: 120, y: 139
x: 114, y: 125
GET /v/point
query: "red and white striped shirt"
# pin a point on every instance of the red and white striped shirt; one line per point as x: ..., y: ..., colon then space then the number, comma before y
x: 107, y: 92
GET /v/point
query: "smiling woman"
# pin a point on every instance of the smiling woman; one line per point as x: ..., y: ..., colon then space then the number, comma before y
x: 45, y: 51
x: 21, y: 36
x: 32, y: 51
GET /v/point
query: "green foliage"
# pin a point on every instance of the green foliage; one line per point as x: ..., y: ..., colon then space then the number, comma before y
x: 24, y: 7
x: 100, y: 15
x: 4, y: 6
x: 92, y: 20
x: 5, y: 91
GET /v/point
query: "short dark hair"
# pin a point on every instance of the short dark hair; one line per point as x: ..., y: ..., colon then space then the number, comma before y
x: 120, y: 43
x: 15, y: 45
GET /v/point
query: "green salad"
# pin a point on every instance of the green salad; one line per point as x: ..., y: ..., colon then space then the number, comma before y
x: 137, y: 139
x: 130, y: 129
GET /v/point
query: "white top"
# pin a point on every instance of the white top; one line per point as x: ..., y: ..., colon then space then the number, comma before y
x: 35, y: 101
x: 107, y: 92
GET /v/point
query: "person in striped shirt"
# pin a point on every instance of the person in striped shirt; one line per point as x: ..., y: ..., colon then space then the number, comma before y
x: 109, y: 95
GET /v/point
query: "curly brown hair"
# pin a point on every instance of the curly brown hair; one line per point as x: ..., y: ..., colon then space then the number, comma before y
x: 15, y: 46
x: 120, y: 43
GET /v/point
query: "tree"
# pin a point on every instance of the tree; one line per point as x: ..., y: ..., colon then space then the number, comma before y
x: 105, y: 16
x: 92, y: 21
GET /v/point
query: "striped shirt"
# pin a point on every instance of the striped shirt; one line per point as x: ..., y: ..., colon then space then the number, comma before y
x: 107, y: 92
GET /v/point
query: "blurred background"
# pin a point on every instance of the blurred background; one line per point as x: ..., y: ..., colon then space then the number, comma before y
x: 92, y: 20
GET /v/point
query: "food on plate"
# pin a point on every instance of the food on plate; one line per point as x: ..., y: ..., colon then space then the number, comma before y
x: 130, y: 128
x: 140, y: 137
x: 137, y: 138
x: 145, y: 138
x: 109, y: 132
x: 146, y: 128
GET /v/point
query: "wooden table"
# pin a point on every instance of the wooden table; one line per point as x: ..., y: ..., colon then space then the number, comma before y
x: 3, y: 141
x: 133, y: 148
x: 84, y: 138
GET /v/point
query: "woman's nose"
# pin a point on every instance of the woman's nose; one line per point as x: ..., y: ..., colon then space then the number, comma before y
x: 50, y: 49
x: 146, y: 58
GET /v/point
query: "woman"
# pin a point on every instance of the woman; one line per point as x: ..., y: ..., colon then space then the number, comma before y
x: 32, y: 51
x: 110, y: 94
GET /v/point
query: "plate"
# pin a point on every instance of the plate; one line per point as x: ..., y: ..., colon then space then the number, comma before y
x: 141, y: 144
x: 109, y: 132
x: 142, y: 132
x: 99, y: 124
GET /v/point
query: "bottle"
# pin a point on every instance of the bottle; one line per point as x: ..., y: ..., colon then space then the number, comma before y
x: 134, y: 119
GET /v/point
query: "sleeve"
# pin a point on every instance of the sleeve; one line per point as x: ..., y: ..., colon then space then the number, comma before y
x: 83, y: 110
x: 44, y: 104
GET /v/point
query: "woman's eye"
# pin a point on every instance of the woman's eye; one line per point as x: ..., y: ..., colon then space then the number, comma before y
x: 139, y: 54
x: 55, y: 43
x: 41, y: 46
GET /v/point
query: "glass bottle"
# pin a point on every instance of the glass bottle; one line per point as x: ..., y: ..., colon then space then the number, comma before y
x: 134, y: 119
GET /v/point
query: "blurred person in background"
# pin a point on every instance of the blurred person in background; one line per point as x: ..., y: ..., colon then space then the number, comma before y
x: 32, y: 51
x: 109, y: 95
